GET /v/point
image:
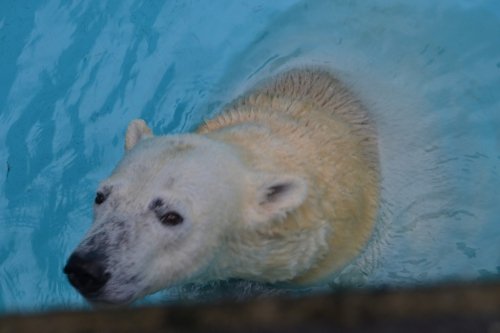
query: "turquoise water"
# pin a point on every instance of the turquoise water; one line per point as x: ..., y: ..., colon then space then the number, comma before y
x: 73, y: 74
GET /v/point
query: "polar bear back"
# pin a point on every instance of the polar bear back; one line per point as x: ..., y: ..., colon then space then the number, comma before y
x: 316, y: 88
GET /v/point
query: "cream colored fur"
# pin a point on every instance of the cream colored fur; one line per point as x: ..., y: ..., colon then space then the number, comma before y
x: 308, y: 124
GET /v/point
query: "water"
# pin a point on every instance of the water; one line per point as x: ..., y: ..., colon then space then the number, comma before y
x: 73, y: 74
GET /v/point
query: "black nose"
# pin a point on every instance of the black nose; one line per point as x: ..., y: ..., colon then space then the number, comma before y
x: 86, y: 272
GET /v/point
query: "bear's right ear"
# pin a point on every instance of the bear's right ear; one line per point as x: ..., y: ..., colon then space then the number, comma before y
x: 136, y: 131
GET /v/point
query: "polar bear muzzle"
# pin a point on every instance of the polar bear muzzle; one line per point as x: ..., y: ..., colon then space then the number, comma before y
x: 86, y: 272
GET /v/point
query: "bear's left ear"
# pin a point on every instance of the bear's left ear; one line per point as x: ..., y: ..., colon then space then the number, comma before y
x: 276, y: 196
x: 136, y: 131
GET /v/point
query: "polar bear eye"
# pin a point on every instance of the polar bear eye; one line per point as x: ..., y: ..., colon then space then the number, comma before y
x: 171, y: 218
x: 99, y: 198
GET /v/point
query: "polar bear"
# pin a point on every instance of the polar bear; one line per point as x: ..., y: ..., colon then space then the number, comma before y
x: 282, y: 186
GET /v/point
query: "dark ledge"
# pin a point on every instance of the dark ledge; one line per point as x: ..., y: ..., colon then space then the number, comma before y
x: 468, y: 308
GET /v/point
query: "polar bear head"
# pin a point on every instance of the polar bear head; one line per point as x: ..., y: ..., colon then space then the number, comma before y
x: 163, y: 216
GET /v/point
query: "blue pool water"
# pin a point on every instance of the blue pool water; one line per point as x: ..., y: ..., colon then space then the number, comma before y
x: 74, y: 73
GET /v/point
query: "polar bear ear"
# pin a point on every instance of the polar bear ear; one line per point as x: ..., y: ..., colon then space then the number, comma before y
x: 276, y: 196
x: 136, y: 131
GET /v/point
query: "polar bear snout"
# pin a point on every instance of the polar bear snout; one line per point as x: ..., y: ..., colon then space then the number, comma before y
x: 86, y: 272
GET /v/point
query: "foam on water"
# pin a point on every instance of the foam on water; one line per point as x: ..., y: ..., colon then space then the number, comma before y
x: 72, y: 75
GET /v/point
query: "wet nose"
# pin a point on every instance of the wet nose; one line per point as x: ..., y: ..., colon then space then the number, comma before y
x: 86, y: 273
